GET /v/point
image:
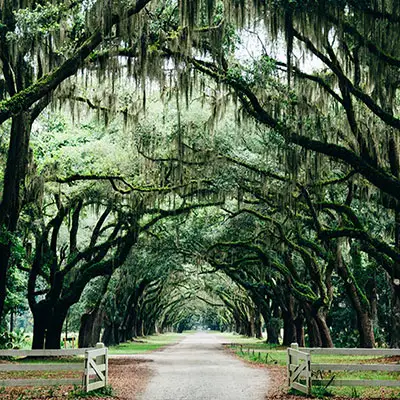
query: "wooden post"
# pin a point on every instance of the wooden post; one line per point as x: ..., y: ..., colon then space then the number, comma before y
x: 87, y: 374
x: 308, y: 376
x: 103, y: 360
x: 292, y: 359
x: 106, y: 370
x: 100, y: 359
x: 73, y: 342
x: 295, y: 346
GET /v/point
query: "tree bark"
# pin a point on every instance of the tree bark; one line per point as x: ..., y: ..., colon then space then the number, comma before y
x: 271, y: 324
x: 90, y: 329
x: 48, y: 320
x: 299, y: 323
x: 364, y: 317
x: 289, y: 329
x: 288, y: 316
x: 314, y: 335
x: 54, y: 328
x: 395, y: 282
x: 40, y: 319
x: 257, y: 324
x: 325, y: 333
x: 10, y: 207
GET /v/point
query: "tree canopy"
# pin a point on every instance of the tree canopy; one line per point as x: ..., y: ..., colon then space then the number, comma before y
x: 226, y: 163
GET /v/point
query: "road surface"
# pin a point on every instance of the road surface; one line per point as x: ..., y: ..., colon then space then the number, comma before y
x: 198, y: 368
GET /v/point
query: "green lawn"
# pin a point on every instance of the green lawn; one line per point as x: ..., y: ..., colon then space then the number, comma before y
x: 146, y: 344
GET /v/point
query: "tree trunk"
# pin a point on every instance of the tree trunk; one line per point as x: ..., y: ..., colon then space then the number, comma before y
x: 54, y: 329
x: 299, y: 323
x: 12, y: 320
x: 395, y: 281
x: 40, y: 319
x: 289, y: 329
x: 325, y: 333
x: 48, y: 320
x: 257, y: 325
x: 10, y: 207
x: 272, y: 332
x: 395, y: 331
x: 359, y: 303
x: 108, y: 335
x: 314, y: 336
x: 90, y: 329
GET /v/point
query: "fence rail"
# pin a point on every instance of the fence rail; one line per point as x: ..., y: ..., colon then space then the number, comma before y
x: 300, y: 368
x: 94, y: 368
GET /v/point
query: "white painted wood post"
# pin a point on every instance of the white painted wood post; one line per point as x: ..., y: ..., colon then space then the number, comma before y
x: 103, y: 360
x: 308, y: 377
x: 87, y: 372
x: 295, y: 360
x: 292, y: 359
x: 106, y: 370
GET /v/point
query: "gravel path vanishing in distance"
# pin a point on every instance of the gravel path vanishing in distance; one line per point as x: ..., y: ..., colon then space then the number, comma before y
x: 198, y: 368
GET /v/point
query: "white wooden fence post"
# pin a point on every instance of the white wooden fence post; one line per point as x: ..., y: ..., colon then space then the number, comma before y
x: 103, y: 360
x: 295, y: 360
x: 87, y: 372
x: 99, y: 359
x: 292, y: 359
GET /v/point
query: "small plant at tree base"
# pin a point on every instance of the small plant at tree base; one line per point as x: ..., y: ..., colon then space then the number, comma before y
x: 354, y: 392
x: 107, y: 391
x: 321, y: 392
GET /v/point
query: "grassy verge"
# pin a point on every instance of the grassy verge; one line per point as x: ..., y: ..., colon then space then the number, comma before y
x: 256, y: 351
x: 147, y: 343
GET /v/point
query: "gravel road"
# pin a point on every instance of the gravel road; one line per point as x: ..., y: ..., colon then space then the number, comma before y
x: 197, y: 368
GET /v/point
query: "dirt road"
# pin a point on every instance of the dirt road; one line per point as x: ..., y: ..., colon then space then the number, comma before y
x: 198, y: 368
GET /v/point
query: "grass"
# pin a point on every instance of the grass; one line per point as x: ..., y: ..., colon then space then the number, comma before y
x: 147, y: 343
x: 257, y: 351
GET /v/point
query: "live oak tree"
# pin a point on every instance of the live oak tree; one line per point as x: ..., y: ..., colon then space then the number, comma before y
x: 340, y: 110
x: 327, y: 147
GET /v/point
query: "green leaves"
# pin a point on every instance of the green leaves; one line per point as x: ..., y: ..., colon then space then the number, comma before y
x: 31, y: 24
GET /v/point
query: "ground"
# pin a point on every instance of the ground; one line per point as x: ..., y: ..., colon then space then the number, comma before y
x: 198, y: 368
x: 194, y: 366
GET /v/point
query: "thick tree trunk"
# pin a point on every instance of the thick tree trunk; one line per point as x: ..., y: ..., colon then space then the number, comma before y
x: 366, y: 330
x: 40, y: 320
x: 395, y: 331
x: 108, y: 335
x: 289, y: 328
x: 257, y: 325
x: 325, y: 333
x: 272, y: 333
x: 90, y: 329
x: 299, y: 323
x: 48, y: 320
x: 360, y: 306
x: 10, y: 207
x: 271, y: 325
x: 314, y: 335
x: 395, y: 281
x: 54, y: 329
